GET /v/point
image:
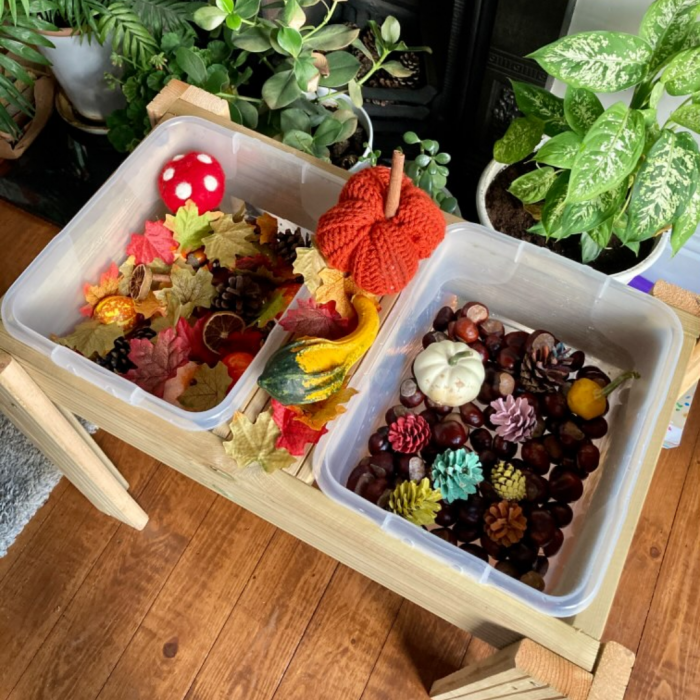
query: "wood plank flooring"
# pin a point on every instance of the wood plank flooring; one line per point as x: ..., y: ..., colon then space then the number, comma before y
x: 211, y: 603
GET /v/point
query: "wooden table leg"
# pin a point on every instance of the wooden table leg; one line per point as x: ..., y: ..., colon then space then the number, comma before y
x: 84, y: 465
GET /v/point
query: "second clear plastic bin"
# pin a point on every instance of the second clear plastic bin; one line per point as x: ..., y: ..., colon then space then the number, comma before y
x: 47, y: 297
x: 526, y: 288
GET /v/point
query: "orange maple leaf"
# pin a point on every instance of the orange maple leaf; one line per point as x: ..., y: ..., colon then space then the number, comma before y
x: 316, y: 415
x: 268, y: 228
x: 106, y: 287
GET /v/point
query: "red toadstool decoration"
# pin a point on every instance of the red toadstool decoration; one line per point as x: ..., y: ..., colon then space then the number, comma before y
x: 196, y: 176
x: 381, y: 228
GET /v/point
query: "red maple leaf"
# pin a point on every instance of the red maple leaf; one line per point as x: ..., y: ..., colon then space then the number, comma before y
x: 194, y: 337
x: 157, y: 362
x: 315, y: 320
x: 294, y: 435
x: 252, y: 262
x: 156, y: 242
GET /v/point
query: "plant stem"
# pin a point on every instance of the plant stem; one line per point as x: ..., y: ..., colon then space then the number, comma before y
x: 606, y: 391
x: 267, y: 63
x: 374, y: 68
x: 326, y: 19
x: 229, y: 96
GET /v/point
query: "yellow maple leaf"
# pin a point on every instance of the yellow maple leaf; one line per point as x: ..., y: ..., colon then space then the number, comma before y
x: 268, y: 228
x: 309, y: 263
x: 229, y: 240
x: 254, y: 443
x: 150, y: 306
x: 91, y: 337
x: 335, y: 286
x: 316, y: 415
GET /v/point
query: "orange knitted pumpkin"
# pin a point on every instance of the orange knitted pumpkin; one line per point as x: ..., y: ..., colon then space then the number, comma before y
x: 381, y: 254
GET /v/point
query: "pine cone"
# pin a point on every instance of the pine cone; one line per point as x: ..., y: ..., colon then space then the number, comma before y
x: 515, y: 419
x: 241, y: 295
x: 287, y: 242
x: 505, y: 523
x: 457, y: 473
x: 508, y: 482
x: 547, y: 364
x: 418, y: 503
x: 409, y: 433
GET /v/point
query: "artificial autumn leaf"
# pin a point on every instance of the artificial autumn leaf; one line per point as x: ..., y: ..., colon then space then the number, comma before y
x: 210, y: 388
x: 156, y: 242
x: 157, y: 362
x: 294, y: 435
x: 229, y: 240
x: 173, y: 311
x: 107, y: 286
x: 309, y: 263
x: 316, y: 415
x: 315, y: 320
x: 148, y: 307
x: 194, y: 336
x: 175, y: 386
x: 189, y: 227
x: 268, y: 228
x: 91, y: 337
x: 126, y: 269
x: 275, y: 305
x: 189, y: 290
x: 238, y: 208
x: 257, y: 443
x: 338, y: 288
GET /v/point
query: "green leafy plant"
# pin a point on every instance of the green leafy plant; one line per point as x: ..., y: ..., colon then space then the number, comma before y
x: 429, y: 170
x: 614, y: 172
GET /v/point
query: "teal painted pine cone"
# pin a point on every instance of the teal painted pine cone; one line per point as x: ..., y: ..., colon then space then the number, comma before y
x: 456, y: 473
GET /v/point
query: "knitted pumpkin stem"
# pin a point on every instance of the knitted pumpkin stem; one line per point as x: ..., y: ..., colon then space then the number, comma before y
x: 393, y: 197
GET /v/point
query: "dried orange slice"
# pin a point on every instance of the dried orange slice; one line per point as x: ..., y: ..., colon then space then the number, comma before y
x: 219, y: 327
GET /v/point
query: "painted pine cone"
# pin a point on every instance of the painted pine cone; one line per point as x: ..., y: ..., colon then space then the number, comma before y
x: 514, y: 419
x: 505, y: 523
x: 409, y: 434
x: 508, y: 482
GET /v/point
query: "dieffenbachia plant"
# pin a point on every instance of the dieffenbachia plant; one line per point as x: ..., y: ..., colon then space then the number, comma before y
x: 616, y: 171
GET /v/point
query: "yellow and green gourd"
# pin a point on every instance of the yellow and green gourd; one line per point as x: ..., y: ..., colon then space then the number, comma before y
x: 312, y: 369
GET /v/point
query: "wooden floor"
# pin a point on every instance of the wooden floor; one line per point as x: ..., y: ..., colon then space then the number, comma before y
x: 212, y: 602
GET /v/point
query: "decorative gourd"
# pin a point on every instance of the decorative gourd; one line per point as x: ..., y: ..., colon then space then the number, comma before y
x: 312, y: 369
x: 449, y: 373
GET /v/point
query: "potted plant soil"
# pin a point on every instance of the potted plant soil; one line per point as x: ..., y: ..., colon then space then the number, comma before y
x: 608, y: 187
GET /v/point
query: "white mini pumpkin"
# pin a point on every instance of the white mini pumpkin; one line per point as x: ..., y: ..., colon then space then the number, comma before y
x: 449, y: 373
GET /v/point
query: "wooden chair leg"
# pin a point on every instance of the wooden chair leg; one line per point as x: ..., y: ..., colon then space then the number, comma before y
x: 56, y: 436
x: 522, y: 671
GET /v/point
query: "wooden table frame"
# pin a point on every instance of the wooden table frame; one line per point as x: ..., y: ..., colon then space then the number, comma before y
x: 41, y: 398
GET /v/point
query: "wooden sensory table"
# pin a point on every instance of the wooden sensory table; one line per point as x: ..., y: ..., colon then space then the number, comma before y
x: 541, y: 658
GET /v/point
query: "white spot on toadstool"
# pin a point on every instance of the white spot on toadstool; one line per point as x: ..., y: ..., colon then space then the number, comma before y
x: 178, y: 157
x: 168, y: 174
x: 183, y: 190
x: 204, y: 158
x: 211, y: 183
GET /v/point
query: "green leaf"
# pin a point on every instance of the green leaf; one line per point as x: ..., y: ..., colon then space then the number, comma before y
x: 246, y: 9
x: 234, y: 22
x: 391, y: 30
x: 665, y: 28
x: 554, y: 204
x: 423, y: 160
x: 397, y: 69
x: 293, y: 15
x: 609, y: 153
x: 590, y: 249
x: 585, y: 216
x: 342, y: 66
x: 249, y: 114
x: 687, y: 223
x: 217, y: 79
x: 332, y: 38
x: 290, y: 40
x: 687, y: 116
x: 225, y: 6
x: 560, y: 151
x: 411, y: 138
x: 682, y: 76
x: 538, y: 229
x: 519, y: 141
x: 281, y: 89
x: 328, y: 132
x: 300, y: 140
x: 349, y: 121
x: 209, y: 17
x: 192, y: 64
x: 536, y: 102
x: 533, y: 187
x: 295, y: 119
x: 305, y: 71
x: 600, y: 61
x: 662, y: 185
x: 581, y: 108
x: 255, y: 40
x: 355, y: 93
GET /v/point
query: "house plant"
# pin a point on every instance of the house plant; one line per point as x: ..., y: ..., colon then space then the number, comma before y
x: 615, y: 179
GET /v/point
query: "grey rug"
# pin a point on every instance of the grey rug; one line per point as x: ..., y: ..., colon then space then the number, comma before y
x: 26, y: 480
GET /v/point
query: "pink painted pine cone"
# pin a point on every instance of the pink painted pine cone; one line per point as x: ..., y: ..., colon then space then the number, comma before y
x: 514, y: 419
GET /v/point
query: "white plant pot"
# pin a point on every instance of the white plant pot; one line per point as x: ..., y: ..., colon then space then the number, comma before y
x: 488, y: 176
x: 79, y: 65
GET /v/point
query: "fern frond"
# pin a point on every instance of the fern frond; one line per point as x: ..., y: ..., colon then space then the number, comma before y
x: 160, y: 16
x: 129, y: 35
x: 78, y: 14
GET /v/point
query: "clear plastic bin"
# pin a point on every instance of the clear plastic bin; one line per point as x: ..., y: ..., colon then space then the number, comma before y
x: 47, y: 297
x: 526, y: 288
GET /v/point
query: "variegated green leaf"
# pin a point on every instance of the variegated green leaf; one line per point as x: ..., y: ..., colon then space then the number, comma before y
x: 533, y: 187
x: 594, y: 242
x: 600, y: 61
x: 537, y: 228
x: 688, y: 116
x: 602, y: 233
x: 665, y: 27
x: 663, y: 183
x: 537, y: 102
x: 610, y: 152
x: 581, y: 108
x: 554, y: 206
x: 656, y: 95
x: 682, y: 75
x: 687, y: 223
x: 519, y: 141
x: 560, y: 151
x: 585, y: 216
